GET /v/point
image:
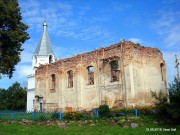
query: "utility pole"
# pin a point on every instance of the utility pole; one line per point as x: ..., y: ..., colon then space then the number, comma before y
x: 177, y: 64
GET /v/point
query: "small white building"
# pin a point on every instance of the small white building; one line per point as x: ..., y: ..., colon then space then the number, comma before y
x: 43, y: 54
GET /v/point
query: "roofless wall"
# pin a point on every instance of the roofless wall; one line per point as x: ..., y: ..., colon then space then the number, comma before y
x: 119, y: 75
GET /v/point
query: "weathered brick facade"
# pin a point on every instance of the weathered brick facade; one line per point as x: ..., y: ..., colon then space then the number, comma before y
x: 88, y: 80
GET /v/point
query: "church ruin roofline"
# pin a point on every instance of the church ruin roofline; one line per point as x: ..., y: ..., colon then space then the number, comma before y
x: 128, y: 48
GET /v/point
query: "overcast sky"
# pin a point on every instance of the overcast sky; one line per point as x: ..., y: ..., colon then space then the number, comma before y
x: 77, y: 26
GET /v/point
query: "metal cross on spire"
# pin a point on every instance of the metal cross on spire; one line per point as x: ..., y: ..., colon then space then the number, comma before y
x: 177, y: 64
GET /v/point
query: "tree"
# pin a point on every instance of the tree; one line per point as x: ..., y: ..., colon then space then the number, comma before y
x: 3, y: 95
x: 170, y: 110
x: 174, y: 95
x: 12, y: 35
x: 13, y: 98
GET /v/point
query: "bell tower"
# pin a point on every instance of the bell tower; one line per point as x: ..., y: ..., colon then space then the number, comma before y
x: 43, y: 54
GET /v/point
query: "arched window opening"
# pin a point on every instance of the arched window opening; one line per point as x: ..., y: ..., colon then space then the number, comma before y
x: 50, y: 58
x: 70, y: 79
x: 90, y: 75
x: 162, y: 73
x: 53, y: 81
x: 114, y: 71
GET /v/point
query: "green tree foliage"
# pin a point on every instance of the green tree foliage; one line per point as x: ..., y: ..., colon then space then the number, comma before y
x: 12, y: 35
x: 174, y: 92
x: 161, y: 104
x: 104, y: 111
x: 13, y: 98
x: 3, y: 95
x: 169, y: 110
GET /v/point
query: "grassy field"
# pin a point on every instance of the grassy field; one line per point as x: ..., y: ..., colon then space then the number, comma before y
x: 118, y: 126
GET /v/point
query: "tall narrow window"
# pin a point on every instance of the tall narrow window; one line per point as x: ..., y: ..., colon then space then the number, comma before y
x: 50, y: 59
x: 90, y: 75
x: 53, y: 81
x: 70, y: 79
x: 114, y: 71
x: 162, y: 75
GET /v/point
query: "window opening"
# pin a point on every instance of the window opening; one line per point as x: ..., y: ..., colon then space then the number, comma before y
x: 70, y: 79
x: 53, y: 81
x: 90, y: 75
x: 162, y: 66
x: 50, y: 59
x: 114, y: 71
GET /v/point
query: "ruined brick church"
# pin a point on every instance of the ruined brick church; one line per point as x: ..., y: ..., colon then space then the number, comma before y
x: 121, y: 75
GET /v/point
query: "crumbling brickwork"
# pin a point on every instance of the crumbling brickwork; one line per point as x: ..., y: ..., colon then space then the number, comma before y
x: 139, y: 70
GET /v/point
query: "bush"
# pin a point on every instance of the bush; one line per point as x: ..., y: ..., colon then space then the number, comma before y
x: 146, y: 110
x: 117, y: 112
x: 76, y: 115
x: 104, y: 111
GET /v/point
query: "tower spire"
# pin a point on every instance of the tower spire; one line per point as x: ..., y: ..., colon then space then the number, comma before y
x: 44, y: 47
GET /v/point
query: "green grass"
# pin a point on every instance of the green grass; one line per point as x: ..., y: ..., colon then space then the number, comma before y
x: 103, y: 127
